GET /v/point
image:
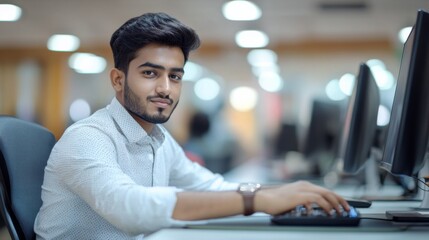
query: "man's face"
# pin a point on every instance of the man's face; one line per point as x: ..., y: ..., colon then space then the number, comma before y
x: 153, y: 83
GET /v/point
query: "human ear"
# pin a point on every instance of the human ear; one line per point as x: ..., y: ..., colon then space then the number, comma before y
x: 117, y: 78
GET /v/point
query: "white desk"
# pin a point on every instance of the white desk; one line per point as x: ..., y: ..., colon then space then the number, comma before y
x: 258, y: 227
x: 194, y: 234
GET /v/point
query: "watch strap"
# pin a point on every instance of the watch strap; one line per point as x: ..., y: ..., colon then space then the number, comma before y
x: 248, y: 191
x: 248, y: 200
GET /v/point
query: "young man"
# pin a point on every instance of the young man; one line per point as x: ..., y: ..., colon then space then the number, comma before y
x: 119, y: 174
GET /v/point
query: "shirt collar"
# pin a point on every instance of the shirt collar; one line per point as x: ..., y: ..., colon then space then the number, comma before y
x: 129, y: 127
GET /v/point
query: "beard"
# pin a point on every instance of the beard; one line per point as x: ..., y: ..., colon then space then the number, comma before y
x: 133, y: 104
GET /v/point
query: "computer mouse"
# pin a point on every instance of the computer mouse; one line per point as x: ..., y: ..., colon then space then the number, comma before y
x: 358, y: 203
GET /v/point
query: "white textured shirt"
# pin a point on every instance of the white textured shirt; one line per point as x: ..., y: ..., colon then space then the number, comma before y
x: 106, y: 178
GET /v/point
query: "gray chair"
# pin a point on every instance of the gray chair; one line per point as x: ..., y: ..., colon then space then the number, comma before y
x: 24, y: 151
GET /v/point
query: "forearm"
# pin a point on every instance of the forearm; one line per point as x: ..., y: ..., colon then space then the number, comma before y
x: 206, y: 205
x: 272, y: 200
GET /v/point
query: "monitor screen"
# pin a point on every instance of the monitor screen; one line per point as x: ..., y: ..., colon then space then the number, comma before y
x: 360, y: 123
x: 407, y: 136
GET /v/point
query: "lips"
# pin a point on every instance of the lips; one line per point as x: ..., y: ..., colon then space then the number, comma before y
x: 161, y: 102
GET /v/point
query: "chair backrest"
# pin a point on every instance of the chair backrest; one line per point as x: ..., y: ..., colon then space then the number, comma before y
x: 24, y: 150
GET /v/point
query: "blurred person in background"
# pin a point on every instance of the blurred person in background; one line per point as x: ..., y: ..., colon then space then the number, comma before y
x: 212, y: 142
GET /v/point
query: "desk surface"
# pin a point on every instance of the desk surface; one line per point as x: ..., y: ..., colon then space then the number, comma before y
x: 258, y: 227
x: 198, y: 234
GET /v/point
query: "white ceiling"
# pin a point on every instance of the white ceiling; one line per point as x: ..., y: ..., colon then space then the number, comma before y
x: 93, y: 21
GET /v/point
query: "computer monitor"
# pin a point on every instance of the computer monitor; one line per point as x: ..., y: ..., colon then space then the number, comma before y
x: 408, y: 133
x: 286, y: 140
x: 322, y: 136
x: 360, y: 123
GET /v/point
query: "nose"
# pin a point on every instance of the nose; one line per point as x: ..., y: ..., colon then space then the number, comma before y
x: 163, y: 87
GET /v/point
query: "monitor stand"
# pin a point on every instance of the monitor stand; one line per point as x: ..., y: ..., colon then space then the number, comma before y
x: 423, y: 186
x: 425, y: 201
x: 424, y: 173
x: 373, y: 186
x: 414, y: 215
x: 372, y: 177
x: 418, y: 214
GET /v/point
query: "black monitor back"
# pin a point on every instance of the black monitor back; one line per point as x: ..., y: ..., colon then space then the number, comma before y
x: 323, y: 132
x: 360, y: 123
x: 408, y: 134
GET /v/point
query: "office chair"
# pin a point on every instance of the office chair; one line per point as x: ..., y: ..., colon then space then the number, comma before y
x: 24, y: 151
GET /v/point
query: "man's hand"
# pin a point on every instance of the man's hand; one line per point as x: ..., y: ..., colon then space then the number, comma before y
x: 283, y: 198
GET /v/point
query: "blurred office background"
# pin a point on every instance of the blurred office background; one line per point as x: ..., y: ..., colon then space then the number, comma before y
x: 259, y: 97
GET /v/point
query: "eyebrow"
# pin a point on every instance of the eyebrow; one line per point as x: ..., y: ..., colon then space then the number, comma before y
x: 153, y: 65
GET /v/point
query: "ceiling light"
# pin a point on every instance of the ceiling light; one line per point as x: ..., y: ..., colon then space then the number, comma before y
x: 404, y: 33
x: 240, y: 10
x: 268, y: 68
x: 261, y: 57
x: 63, y: 43
x: 79, y: 109
x: 270, y: 81
x: 382, y: 76
x: 383, y: 116
x: 207, y: 89
x: 193, y: 71
x: 87, y: 63
x: 243, y: 98
x: 347, y: 83
x: 333, y: 90
x: 375, y: 63
x: 9, y: 12
x: 251, y: 39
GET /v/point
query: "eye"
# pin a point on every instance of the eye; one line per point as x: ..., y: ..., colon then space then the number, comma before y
x: 176, y: 77
x: 149, y: 73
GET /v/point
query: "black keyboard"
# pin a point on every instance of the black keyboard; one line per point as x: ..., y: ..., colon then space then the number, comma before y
x: 317, y: 217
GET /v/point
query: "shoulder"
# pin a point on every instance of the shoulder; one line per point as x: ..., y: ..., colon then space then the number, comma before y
x: 98, y: 129
x: 99, y: 122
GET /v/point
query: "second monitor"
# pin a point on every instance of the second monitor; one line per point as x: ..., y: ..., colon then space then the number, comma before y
x: 360, y: 123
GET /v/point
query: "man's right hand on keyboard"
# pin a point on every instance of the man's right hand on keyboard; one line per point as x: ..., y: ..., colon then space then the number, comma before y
x: 277, y: 200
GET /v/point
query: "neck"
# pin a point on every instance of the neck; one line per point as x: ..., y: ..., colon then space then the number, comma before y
x: 147, y: 126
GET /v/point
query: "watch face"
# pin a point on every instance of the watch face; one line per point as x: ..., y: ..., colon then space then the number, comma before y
x: 249, y: 187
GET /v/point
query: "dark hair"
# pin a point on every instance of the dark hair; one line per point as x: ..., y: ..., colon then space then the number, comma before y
x: 150, y: 28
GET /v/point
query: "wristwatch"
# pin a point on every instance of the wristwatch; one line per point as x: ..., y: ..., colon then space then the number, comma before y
x: 248, y: 191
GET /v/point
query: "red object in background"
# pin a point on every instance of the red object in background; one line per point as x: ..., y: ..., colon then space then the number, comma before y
x: 194, y: 158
